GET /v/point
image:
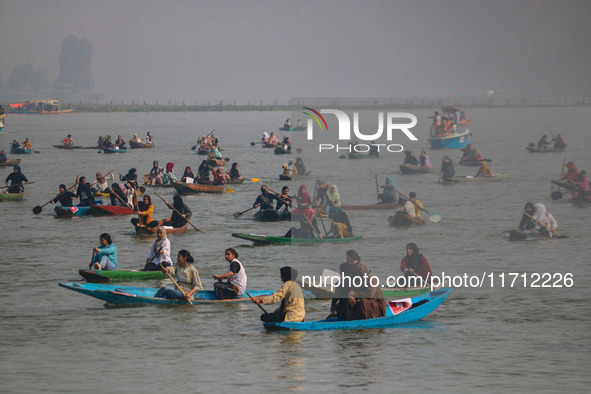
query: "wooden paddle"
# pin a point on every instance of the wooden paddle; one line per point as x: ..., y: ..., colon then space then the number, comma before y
x: 543, y: 225
x: 254, y: 302
x: 433, y: 218
x: 91, y: 260
x: 254, y: 143
x: 123, y: 201
x: 238, y: 214
x: 16, y: 184
x: 155, y: 254
x: 170, y: 205
x: 177, y: 286
x: 313, y: 228
x: 38, y: 209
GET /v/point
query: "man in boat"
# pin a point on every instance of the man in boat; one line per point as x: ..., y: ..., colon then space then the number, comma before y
x: 357, y: 303
x: 17, y: 179
x: 180, y: 213
x: 558, y: 142
x: 447, y: 169
x: 65, y: 197
x: 410, y: 159
x: 84, y: 193
x: 291, y: 296
x: 543, y: 142
x: 265, y: 199
x: 483, y: 170
x: 68, y: 141
x: 236, y: 278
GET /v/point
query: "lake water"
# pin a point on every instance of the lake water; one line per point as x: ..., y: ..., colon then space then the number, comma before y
x: 488, y: 339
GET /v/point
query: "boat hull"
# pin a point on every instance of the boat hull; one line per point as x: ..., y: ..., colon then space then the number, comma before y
x: 21, y: 151
x: 518, y: 235
x: 110, y: 210
x: 411, y: 169
x: 271, y: 240
x: 102, y: 276
x: 368, y: 207
x: 270, y: 215
x: 72, y: 211
x: 10, y: 163
x: 280, y: 151
x: 423, y: 305
x: 124, y: 295
x: 140, y: 145
x: 191, y: 188
x: 114, y: 150
x: 11, y: 196
x: 451, y: 141
x: 402, y: 219
x: 491, y: 178
x: 143, y: 230
x: 535, y: 149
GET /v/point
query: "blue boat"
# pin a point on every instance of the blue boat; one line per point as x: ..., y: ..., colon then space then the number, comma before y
x: 145, y: 295
x: 271, y: 215
x: 76, y: 210
x: 114, y: 150
x: 457, y: 139
x: 398, y: 312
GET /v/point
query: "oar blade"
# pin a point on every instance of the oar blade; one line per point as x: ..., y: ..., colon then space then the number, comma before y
x: 435, y: 218
x: 252, y: 144
x: 255, y: 180
x: 228, y: 190
x: 237, y: 215
x: 37, y: 210
x: 556, y: 195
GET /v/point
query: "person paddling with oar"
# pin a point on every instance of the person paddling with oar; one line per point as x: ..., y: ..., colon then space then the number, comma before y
x: 65, y: 196
x: 159, y: 256
x: 290, y: 294
x: 188, y: 281
x: 181, y: 213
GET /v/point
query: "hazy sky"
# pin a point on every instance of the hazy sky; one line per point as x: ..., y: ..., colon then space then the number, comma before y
x: 273, y: 50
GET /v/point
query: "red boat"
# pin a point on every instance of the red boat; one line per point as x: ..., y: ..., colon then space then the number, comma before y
x: 103, y: 210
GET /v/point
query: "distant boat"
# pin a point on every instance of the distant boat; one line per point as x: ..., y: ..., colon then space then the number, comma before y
x: 41, y: 107
x: 457, y: 139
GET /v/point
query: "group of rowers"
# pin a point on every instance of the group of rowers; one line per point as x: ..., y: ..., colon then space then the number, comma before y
x: 271, y: 141
x: 208, y: 143
x: 349, y: 303
x: 16, y: 148
x: 410, y: 159
x: 107, y: 141
x: 578, y: 180
x: 161, y: 176
x: 292, y: 168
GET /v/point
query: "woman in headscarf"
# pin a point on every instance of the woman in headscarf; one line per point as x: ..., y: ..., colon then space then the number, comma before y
x: 265, y: 199
x: 571, y: 172
x: 159, y: 255
x: 414, y: 264
x: 389, y: 193
x: 300, y: 167
x: 188, y: 174
x: 218, y: 177
x: 104, y: 256
x: 203, y: 171
x: 546, y: 224
x: 291, y: 296
x: 303, y: 200
x: 424, y: 160
x: 483, y: 170
x: 187, y: 277
x: 235, y: 173
x: 180, y: 213
x: 527, y: 222
x: 265, y: 138
x: 100, y: 185
x: 410, y: 159
x: 120, y: 143
x: 18, y: 179
x: 84, y: 193
x: 117, y: 195
x: 333, y: 198
x: 447, y: 169
x: 320, y: 189
x: 130, y: 178
x: 340, y: 227
x: 136, y: 138
x: 145, y: 212
x: 155, y: 177
x: 357, y: 302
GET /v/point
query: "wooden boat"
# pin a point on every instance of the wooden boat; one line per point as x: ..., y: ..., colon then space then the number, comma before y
x: 76, y: 210
x: 102, y: 276
x: 236, y: 181
x: 66, y: 147
x: 397, y: 312
x: 21, y: 150
x: 564, y: 184
x: 267, y: 145
x: 121, y: 295
x: 191, y: 188
x: 114, y: 150
x: 279, y: 150
x: 518, y: 235
x: 11, y: 196
x: 403, y: 219
x: 284, y: 177
x: 472, y: 162
x: 412, y: 169
x: 143, y: 230
x: 455, y: 140
x: 140, y: 145
x: 106, y: 210
x: 270, y: 215
x: 10, y: 163
x: 270, y: 239
x: 203, y: 152
x: 368, y: 207
x: 544, y: 149
x: 469, y: 178
x: 214, y: 163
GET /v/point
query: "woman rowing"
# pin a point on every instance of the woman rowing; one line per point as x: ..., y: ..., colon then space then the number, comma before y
x: 105, y: 254
x: 300, y: 167
x: 234, y: 173
x: 180, y: 213
x: 483, y: 170
x: 341, y: 226
x: 284, y: 201
x: 130, y: 178
x: 101, y: 185
x: 120, y: 143
x: 414, y: 264
x: 236, y: 279
x: 120, y: 195
x: 64, y: 197
x: 265, y: 199
x: 290, y: 294
x: 159, y: 255
x: 84, y: 193
x: 187, y: 277
x: 155, y: 175
x: 389, y: 193
x: 447, y: 169
x: 145, y: 212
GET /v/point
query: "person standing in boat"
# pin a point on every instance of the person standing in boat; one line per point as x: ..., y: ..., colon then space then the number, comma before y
x: 159, y: 255
x: 17, y: 180
x: 265, y: 199
x: 414, y: 264
x: 84, y: 193
x: 320, y: 190
x: 357, y: 303
x: 290, y: 294
x: 483, y: 170
x: 236, y: 279
x: 447, y: 169
x: 64, y: 197
x: 388, y: 195
x: 180, y: 213
x: 104, y: 255
x: 187, y: 278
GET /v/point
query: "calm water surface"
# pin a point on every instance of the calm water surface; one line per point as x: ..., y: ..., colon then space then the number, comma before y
x: 481, y: 339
